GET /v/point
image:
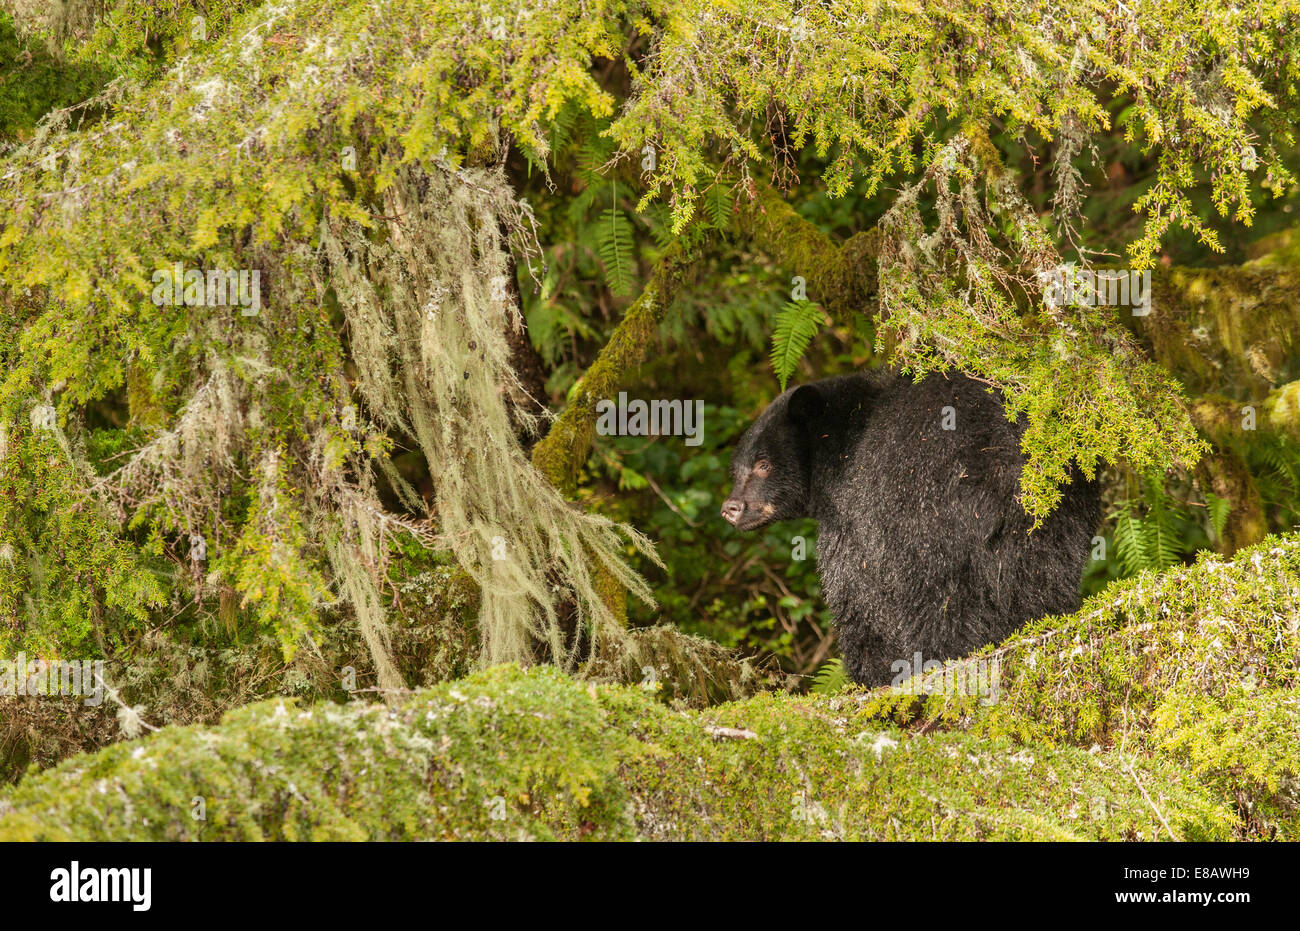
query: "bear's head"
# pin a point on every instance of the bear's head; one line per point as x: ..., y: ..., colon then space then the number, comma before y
x: 771, y: 468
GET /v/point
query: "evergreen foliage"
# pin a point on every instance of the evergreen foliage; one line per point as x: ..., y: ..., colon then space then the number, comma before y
x: 415, y: 180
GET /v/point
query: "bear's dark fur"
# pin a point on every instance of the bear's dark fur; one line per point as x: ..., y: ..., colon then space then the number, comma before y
x: 921, y: 545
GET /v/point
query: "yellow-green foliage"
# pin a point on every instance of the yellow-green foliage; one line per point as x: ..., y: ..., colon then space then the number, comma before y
x: 1249, y: 751
x: 129, y: 34
x: 242, y: 145
x: 64, y: 574
x: 947, y: 301
x: 864, y: 83
x: 510, y: 754
x: 233, y: 158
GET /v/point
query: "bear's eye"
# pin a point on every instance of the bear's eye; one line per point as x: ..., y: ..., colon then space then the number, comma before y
x: 762, y: 468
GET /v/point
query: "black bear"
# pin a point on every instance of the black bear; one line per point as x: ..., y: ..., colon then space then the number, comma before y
x: 922, y: 546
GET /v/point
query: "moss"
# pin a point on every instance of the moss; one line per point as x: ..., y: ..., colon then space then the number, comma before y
x: 564, y: 449
x: 434, y: 637
x: 685, y: 670
x: 1249, y: 752
x: 611, y: 591
x: 1282, y: 408
x: 1281, y: 248
x: 1143, y: 665
x: 1204, y: 630
x: 512, y: 754
x: 1225, y: 472
x: 841, y: 277
x: 1225, y: 329
x: 143, y: 405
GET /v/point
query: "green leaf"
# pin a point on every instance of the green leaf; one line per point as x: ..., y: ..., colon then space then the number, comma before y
x: 614, y: 243
x: 718, y: 204
x: 831, y: 678
x: 1219, y: 509
x: 796, y: 324
x: 1130, y: 540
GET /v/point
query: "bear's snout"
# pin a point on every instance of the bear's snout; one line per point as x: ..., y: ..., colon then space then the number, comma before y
x: 732, y: 509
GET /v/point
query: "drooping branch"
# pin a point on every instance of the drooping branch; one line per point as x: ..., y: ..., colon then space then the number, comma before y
x: 842, y: 278
x: 566, y: 446
x: 1215, y: 328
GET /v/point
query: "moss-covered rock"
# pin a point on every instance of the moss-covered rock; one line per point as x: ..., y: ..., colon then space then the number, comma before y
x: 509, y: 753
x: 1219, y: 630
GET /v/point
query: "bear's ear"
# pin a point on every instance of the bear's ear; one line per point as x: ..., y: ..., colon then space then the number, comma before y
x: 806, y: 405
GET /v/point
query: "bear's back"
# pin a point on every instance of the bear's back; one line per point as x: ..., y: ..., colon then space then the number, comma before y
x: 922, y: 544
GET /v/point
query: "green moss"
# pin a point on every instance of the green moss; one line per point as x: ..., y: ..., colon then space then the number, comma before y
x: 1207, y: 630
x: 512, y: 754
x: 1283, y: 409
x: 1249, y: 752
x: 1225, y: 471
x: 1228, y: 330
x: 1198, y: 666
x: 685, y: 670
x: 434, y: 637
x: 840, y: 277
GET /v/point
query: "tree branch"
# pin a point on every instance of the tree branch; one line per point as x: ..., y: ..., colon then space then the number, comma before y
x: 842, y: 278
x: 566, y: 446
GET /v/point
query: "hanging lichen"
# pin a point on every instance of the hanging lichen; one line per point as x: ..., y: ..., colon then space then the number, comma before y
x: 428, y: 311
x: 953, y: 294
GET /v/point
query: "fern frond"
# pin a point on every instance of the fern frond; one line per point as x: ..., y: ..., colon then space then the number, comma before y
x: 1165, y: 535
x: 661, y: 225
x: 561, y: 130
x: 592, y: 155
x: 1130, y: 540
x: 796, y: 324
x: 718, y: 205
x: 831, y: 678
x: 1218, y: 509
x: 614, y: 245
